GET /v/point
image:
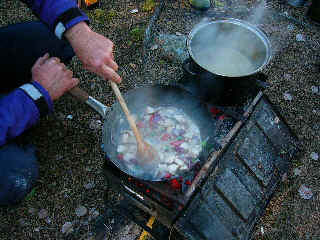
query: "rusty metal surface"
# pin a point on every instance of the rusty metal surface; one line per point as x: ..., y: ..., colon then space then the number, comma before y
x: 235, y: 195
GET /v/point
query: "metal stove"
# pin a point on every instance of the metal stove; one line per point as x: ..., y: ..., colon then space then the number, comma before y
x: 223, y: 197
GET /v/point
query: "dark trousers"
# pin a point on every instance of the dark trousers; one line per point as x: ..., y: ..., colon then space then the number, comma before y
x: 20, y: 46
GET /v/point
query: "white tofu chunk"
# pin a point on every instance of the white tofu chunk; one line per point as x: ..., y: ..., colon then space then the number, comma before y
x: 172, y: 168
x: 128, y: 156
x: 121, y: 148
x: 150, y: 110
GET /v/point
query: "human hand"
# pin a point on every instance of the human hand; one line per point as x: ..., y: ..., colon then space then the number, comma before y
x: 94, y: 51
x: 53, y: 76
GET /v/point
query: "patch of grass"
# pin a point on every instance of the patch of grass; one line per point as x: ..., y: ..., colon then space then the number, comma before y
x: 99, y: 15
x: 31, y: 195
x: 148, y: 5
x: 137, y: 34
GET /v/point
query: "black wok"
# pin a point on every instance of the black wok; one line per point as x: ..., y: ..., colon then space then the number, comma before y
x: 137, y: 100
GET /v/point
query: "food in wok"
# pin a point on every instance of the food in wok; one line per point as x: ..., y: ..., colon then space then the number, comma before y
x: 171, y: 132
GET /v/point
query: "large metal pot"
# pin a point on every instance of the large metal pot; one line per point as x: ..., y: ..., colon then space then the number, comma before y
x: 229, y: 47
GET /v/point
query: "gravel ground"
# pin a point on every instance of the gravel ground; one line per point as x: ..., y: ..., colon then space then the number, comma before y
x: 71, y: 187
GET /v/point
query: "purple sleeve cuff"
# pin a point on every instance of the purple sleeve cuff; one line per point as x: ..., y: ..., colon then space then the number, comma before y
x: 50, y: 10
x: 45, y: 94
x: 76, y: 21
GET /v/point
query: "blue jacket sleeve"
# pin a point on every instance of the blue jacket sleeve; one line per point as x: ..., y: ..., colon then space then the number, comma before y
x: 18, y: 112
x: 49, y: 10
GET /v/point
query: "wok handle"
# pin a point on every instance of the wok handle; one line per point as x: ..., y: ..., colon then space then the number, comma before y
x: 80, y: 94
x: 84, y: 97
x: 126, y: 111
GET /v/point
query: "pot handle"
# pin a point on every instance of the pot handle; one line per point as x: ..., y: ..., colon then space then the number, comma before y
x: 186, y: 67
x: 84, y: 97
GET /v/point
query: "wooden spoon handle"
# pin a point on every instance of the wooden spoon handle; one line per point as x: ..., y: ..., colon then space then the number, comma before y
x: 125, y: 109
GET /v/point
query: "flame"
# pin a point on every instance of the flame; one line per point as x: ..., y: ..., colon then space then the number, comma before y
x: 90, y: 2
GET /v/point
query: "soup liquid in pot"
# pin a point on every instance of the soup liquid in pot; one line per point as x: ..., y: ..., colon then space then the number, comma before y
x: 225, y: 61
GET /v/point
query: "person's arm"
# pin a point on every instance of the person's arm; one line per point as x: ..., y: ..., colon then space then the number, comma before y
x: 51, y: 12
x: 18, y: 112
x: 23, y: 107
x: 65, y: 19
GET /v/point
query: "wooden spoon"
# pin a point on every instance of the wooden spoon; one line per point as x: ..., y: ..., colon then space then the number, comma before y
x: 146, y: 154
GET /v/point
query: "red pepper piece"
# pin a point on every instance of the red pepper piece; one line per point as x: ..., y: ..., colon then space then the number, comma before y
x: 214, y: 111
x: 151, y: 120
x: 188, y: 182
x: 175, y: 184
x: 177, y: 143
x: 165, y: 137
x: 168, y: 175
x: 222, y: 117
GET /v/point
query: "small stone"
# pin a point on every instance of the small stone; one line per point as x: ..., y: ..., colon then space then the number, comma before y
x: 89, y: 185
x: 89, y: 169
x: 314, y: 156
x: 287, y: 76
x: 60, y: 115
x: 59, y: 157
x: 284, y: 177
x: 276, y: 120
x: 134, y: 11
x: 95, y: 124
x: 48, y: 220
x: 43, y: 213
x: 81, y: 211
x: 132, y: 65
x: 154, y: 47
x: 287, y: 97
x: 37, y: 229
x: 314, y: 111
x: 93, y: 213
x: 290, y: 27
x: 300, y: 37
x: 297, y: 172
x: 315, y: 89
x: 179, y: 34
x: 69, y: 117
x: 305, y: 192
x: 22, y: 222
x: 32, y: 211
x: 67, y: 228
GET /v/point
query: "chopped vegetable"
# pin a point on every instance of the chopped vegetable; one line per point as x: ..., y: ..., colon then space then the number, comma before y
x: 172, y: 133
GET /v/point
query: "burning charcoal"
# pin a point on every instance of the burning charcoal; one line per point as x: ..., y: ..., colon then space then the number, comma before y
x: 175, y: 184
